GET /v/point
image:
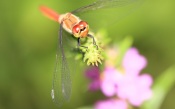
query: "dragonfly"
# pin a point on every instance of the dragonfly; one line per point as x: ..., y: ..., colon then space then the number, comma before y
x: 62, y: 81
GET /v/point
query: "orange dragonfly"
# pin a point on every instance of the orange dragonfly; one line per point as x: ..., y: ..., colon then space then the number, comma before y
x: 62, y: 83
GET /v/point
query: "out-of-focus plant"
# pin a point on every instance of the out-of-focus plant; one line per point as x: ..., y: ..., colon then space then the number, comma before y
x: 125, y: 83
x: 121, y: 82
x: 120, y: 79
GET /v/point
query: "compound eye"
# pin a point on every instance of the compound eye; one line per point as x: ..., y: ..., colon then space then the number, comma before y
x: 75, y: 29
x: 83, y: 24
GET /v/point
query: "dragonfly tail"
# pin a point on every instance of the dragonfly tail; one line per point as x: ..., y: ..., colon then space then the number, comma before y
x: 49, y: 13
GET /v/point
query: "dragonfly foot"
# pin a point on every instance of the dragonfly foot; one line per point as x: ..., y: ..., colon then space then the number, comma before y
x: 96, y: 45
x: 93, y: 40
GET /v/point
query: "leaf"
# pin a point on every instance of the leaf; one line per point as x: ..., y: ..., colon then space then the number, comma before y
x: 161, y: 87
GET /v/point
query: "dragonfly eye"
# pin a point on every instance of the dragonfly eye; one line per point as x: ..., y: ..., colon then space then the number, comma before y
x: 83, y: 24
x: 76, y: 30
x: 84, y: 29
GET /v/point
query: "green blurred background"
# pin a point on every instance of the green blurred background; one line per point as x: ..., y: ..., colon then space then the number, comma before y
x: 28, y: 45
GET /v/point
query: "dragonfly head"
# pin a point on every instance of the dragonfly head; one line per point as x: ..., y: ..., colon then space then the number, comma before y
x: 81, y: 29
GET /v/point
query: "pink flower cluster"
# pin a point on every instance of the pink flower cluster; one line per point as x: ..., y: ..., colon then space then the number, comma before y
x: 125, y: 83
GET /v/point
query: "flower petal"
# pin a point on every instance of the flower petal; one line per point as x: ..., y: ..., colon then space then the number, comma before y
x: 136, y: 89
x: 109, y: 81
x: 133, y: 61
x: 111, y: 104
x: 94, y: 85
x: 146, y: 80
x: 92, y: 73
x: 107, y: 88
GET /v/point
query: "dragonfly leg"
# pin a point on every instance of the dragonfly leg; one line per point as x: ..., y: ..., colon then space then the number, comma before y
x: 93, y: 40
x: 79, y: 44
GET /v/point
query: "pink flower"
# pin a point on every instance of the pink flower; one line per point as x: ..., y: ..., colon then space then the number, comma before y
x: 133, y: 62
x: 135, y: 89
x: 93, y: 74
x: 109, y: 81
x: 111, y: 104
x: 126, y: 83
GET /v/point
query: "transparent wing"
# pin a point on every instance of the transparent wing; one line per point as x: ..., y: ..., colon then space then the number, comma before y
x: 62, y: 83
x: 106, y: 12
x: 99, y: 4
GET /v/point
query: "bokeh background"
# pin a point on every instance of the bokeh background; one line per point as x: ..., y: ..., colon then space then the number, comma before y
x: 28, y: 45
